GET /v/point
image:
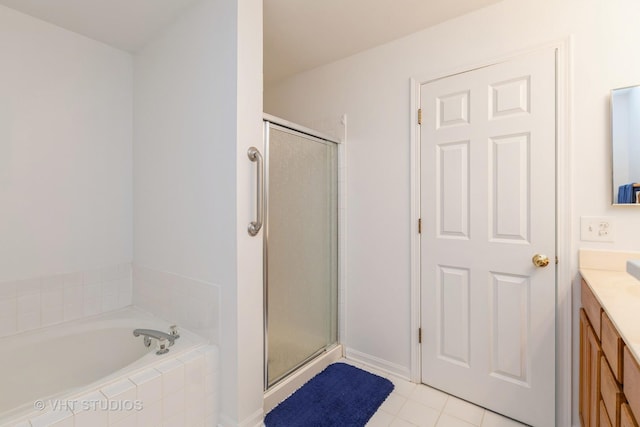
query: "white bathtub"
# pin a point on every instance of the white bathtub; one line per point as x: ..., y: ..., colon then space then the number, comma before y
x: 65, y: 360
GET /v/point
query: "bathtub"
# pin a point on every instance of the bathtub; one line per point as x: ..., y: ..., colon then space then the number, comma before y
x: 47, y: 372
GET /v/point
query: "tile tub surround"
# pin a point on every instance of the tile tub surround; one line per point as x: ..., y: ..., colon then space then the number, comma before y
x: 616, y: 291
x: 188, y: 302
x: 180, y: 391
x: 43, y: 301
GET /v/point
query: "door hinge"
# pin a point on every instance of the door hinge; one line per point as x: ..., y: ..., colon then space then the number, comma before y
x: 557, y: 260
x: 419, y: 225
x: 419, y: 335
x: 419, y: 116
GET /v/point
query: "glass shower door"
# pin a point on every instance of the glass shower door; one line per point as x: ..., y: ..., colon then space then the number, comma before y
x: 300, y: 249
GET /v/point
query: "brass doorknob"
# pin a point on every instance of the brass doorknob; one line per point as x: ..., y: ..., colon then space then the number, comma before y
x: 540, y: 260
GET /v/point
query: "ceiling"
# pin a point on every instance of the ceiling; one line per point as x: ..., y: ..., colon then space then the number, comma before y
x: 298, y: 34
x: 303, y: 34
x: 124, y: 24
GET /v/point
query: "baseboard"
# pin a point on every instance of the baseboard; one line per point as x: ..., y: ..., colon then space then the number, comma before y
x: 379, y: 364
x: 254, y: 420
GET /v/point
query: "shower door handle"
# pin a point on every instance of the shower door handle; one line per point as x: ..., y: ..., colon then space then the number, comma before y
x: 255, y: 156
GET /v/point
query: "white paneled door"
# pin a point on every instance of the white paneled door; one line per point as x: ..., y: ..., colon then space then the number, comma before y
x: 487, y: 146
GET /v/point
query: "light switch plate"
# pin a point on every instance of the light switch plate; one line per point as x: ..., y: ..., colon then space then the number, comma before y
x: 597, y: 229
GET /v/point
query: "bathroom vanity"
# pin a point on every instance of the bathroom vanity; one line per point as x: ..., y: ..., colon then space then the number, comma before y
x: 609, y: 341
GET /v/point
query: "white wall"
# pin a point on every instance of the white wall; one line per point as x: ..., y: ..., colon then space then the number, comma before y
x: 198, y: 107
x: 65, y: 151
x: 372, y: 88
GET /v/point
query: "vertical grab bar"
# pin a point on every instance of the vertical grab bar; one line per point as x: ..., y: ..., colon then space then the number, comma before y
x: 255, y: 156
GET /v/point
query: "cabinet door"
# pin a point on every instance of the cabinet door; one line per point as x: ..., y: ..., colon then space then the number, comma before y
x: 590, y: 353
x: 605, y: 421
x: 626, y: 418
x: 631, y: 383
x: 610, y: 391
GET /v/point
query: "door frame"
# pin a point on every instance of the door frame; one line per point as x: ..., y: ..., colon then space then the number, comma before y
x: 563, y: 214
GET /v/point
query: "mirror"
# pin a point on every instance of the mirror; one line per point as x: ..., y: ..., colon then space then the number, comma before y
x: 625, y: 139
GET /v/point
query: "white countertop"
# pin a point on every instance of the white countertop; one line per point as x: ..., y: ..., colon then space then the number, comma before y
x: 619, y: 295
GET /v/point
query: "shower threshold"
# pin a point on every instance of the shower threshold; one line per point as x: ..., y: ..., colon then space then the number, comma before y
x: 285, y: 387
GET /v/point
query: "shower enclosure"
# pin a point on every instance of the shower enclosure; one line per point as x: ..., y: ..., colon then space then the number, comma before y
x: 300, y: 247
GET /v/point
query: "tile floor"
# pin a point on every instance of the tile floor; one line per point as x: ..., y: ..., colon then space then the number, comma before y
x: 411, y: 405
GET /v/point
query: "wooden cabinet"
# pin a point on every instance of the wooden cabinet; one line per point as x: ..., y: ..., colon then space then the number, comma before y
x: 631, y: 382
x: 626, y: 419
x: 610, y: 392
x: 612, y: 346
x: 590, y: 354
x: 609, y: 374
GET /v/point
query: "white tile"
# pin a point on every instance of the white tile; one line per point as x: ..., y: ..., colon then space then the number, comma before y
x: 73, y: 279
x: 447, y: 420
x: 29, y: 303
x: 172, y: 376
x: 429, y: 396
x: 109, y: 288
x: 211, y: 420
x: 194, y: 415
x: 399, y: 422
x: 91, y: 307
x: 91, y: 277
x: 53, y: 282
x: 173, y: 403
x: 125, y: 292
x: 176, y: 420
x: 380, y: 419
x: 150, y: 415
x: 51, y: 316
x: 211, y: 357
x: 111, y: 273
x: 492, y: 419
x: 92, y: 418
x: 109, y: 303
x: 194, y: 370
x: 28, y: 287
x: 92, y: 291
x: 419, y: 414
x: 72, y: 312
x: 29, y: 321
x: 149, y: 385
x: 115, y: 390
x: 53, y: 418
x: 8, y: 306
x: 464, y: 410
x: 8, y: 290
x: 119, y: 393
x: 393, y: 403
x: 128, y: 421
x: 73, y: 295
x: 8, y: 325
x: 210, y: 384
x: 52, y: 298
x: 402, y: 386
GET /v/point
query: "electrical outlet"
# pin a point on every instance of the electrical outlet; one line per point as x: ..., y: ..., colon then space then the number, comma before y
x: 597, y: 229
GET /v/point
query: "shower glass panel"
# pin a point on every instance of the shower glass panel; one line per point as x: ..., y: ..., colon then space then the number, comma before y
x: 301, y: 255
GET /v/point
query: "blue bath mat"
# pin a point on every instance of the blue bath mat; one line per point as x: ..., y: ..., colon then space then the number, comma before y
x: 340, y: 396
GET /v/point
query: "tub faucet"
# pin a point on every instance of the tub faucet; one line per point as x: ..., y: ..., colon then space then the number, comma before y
x: 162, y: 337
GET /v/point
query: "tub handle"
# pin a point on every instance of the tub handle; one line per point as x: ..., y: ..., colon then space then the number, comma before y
x: 163, y: 346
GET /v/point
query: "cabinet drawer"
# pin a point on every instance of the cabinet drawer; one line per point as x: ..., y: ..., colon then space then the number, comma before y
x: 604, y: 417
x: 631, y: 382
x: 626, y: 419
x: 610, y: 392
x: 612, y: 346
x: 592, y: 307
